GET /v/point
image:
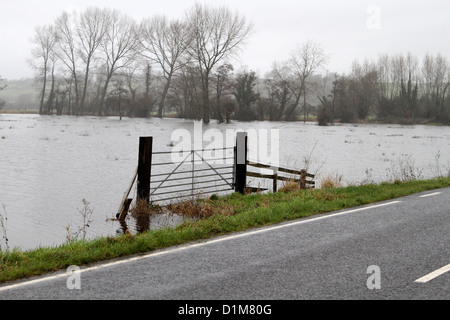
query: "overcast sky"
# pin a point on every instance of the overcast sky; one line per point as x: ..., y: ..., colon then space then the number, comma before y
x: 346, y: 29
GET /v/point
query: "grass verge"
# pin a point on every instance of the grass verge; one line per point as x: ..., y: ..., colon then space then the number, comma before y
x: 229, y: 214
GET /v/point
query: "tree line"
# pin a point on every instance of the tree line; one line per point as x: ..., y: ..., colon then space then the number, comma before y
x: 397, y: 88
x: 101, y: 61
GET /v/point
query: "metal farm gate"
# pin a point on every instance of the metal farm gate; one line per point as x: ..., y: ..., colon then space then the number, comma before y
x: 164, y: 176
x: 199, y: 172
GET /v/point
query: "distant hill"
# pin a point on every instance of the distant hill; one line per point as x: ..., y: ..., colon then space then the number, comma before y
x: 21, y: 95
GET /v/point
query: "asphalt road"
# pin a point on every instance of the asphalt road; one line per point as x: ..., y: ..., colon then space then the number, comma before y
x: 397, y: 249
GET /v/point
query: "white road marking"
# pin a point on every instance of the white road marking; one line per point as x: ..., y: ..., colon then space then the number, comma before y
x: 176, y: 249
x: 430, y: 194
x: 433, y: 274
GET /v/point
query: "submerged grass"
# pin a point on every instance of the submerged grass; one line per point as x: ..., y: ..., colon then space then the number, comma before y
x: 225, y: 215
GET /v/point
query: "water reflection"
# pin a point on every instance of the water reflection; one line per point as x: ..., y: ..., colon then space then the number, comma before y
x: 143, y: 223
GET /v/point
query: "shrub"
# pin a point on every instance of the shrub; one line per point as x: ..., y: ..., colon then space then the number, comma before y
x: 291, y: 186
x: 332, y: 181
x: 144, y: 209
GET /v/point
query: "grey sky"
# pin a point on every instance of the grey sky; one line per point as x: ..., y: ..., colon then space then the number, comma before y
x: 346, y: 29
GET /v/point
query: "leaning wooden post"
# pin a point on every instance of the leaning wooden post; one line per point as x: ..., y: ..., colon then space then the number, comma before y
x: 144, y: 168
x: 241, y: 162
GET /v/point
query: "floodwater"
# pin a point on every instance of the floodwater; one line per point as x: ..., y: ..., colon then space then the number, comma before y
x: 49, y: 164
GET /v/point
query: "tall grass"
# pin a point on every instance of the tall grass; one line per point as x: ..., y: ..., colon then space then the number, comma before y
x: 332, y: 181
x: 404, y: 169
x: 86, y: 213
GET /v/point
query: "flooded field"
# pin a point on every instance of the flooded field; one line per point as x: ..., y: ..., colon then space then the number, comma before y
x: 48, y: 165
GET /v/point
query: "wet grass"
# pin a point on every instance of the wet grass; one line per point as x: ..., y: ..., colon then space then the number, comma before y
x: 220, y: 216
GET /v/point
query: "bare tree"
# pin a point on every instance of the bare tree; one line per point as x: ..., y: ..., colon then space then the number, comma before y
x: 48, y: 106
x: 428, y: 71
x: 164, y: 42
x: 132, y: 83
x: 187, y: 92
x: 383, y: 70
x: 118, y: 97
x: 66, y: 50
x: 223, y: 87
x: 216, y: 34
x: 146, y: 102
x: 398, y: 69
x: 245, y: 94
x: 306, y: 59
x: 440, y: 83
x: 364, y: 87
x: 91, y: 27
x: 289, y: 92
x: 409, y: 87
x: 44, y: 41
x: 119, y: 48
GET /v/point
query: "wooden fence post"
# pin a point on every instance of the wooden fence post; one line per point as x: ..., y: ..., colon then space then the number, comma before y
x: 275, y: 181
x: 144, y: 168
x: 241, y: 162
x: 303, y: 179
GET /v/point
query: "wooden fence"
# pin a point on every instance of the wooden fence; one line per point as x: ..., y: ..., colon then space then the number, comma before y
x: 300, y: 177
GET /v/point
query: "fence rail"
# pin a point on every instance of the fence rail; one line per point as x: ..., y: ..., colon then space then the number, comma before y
x: 275, y: 177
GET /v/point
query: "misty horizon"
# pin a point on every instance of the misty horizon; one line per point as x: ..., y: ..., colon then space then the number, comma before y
x: 346, y: 31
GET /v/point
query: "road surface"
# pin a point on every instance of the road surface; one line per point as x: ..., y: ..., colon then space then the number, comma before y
x: 397, y: 249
